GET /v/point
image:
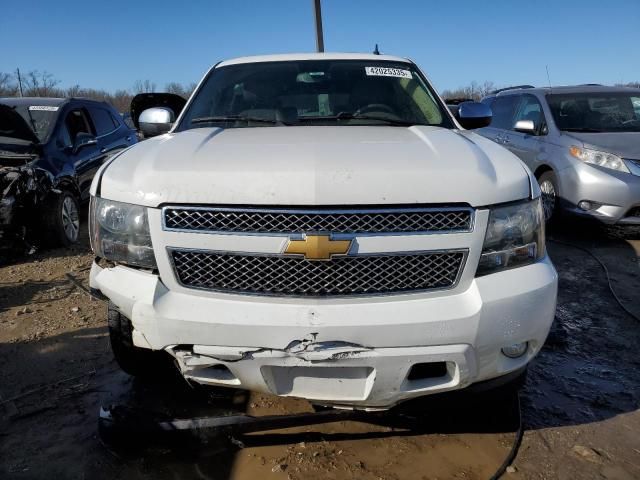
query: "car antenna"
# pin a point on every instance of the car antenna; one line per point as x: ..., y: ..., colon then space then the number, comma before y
x: 376, y: 51
x: 548, y: 78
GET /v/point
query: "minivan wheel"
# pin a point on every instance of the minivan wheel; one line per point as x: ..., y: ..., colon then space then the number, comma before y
x: 62, y: 219
x: 549, y: 189
x: 136, y: 361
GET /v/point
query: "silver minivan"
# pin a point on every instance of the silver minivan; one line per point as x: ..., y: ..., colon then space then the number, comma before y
x: 582, y: 143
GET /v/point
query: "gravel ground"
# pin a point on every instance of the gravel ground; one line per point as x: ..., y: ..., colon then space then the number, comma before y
x: 580, y: 404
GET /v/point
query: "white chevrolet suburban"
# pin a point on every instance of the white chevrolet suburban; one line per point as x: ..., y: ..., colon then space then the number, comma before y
x: 321, y: 226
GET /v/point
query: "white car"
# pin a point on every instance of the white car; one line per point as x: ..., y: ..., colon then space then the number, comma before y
x: 320, y: 226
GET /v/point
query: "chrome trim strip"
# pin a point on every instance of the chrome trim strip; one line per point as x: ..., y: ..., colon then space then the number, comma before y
x: 463, y: 264
x: 302, y: 211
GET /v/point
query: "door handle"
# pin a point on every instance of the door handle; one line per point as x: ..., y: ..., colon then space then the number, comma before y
x: 506, y: 140
x: 128, y: 139
x: 103, y: 150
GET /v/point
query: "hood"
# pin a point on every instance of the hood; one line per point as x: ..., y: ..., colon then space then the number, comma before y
x: 623, y: 144
x: 13, y: 125
x: 142, y: 101
x: 296, y: 166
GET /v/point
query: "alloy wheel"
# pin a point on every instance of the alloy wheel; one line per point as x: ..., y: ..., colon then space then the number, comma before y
x: 70, y: 219
x: 548, y: 198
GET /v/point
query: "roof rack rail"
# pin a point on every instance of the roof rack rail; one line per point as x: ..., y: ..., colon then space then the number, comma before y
x: 591, y: 85
x: 515, y: 87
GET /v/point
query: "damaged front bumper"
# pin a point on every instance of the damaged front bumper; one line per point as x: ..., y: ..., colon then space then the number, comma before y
x: 22, y: 189
x: 365, y: 353
x: 330, y: 373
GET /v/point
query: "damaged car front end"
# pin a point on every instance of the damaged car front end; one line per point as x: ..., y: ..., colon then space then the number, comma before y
x: 50, y: 148
x: 23, y: 185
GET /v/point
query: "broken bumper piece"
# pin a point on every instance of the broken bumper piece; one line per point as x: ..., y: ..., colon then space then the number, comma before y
x: 368, y: 353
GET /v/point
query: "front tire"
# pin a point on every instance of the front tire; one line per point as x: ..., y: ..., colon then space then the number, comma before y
x: 550, y: 195
x: 136, y: 361
x: 62, y: 219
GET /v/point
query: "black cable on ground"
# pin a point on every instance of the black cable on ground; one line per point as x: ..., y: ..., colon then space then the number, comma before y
x: 514, y: 448
x: 606, y: 272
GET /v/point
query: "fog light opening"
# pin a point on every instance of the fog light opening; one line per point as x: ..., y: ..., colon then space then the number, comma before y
x: 516, y: 350
x: 420, y: 371
x: 587, y: 205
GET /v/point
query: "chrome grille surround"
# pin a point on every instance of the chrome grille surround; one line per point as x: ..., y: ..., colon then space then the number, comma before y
x: 335, y: 221
x: 284, y: 275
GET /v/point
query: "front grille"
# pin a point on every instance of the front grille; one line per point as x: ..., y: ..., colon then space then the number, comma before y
x: 296, y: 276
x: 205, y: 219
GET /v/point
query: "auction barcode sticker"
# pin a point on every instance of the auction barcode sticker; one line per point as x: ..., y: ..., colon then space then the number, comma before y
x: 387, y: 72
x: 43, y: 108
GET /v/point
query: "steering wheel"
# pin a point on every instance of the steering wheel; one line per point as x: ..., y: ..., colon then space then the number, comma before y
x: 374, y: 107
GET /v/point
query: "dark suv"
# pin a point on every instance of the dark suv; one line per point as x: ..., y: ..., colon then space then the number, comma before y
x: 50, y: 149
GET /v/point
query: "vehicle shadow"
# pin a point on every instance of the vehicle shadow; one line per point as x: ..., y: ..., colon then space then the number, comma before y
x: 51, y: 391
x: 37, y: 249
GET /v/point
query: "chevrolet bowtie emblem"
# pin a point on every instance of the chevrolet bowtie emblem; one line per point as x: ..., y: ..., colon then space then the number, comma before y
x: 318, y: 247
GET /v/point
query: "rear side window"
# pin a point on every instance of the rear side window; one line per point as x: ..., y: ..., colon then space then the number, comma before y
x: 504, y: 109
x: 102, y: 120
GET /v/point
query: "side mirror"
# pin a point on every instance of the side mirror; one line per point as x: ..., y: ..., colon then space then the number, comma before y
x: 156, y: 121
x: 525, y: 126
x: 474, y: 115
x: 83, y: 140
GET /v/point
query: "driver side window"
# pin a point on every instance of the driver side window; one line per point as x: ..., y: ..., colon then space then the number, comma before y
x: 75, y: 123
x: 530, y: 109
x: 64, y: 139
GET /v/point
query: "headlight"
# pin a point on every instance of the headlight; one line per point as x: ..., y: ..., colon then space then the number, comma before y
x: 120, y: 232
x: 514, y: 238
x: 602, y: 159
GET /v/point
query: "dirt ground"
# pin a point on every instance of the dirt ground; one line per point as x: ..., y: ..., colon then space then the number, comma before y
x: 579, y: 406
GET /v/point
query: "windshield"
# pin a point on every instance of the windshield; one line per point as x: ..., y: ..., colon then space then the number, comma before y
x: 327, y: 92
x: 596, y: 112
x: 38, y: 118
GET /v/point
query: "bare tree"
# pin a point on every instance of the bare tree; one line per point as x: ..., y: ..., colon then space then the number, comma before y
x: 629, y: 84
x: 8, y: 86
x: 175, y: 87
x: 73, y: 91
x: 42, y: 83
x: 144, y: 86
x: 39, y: 84
x: 474, y: 91
x: 121, y: 100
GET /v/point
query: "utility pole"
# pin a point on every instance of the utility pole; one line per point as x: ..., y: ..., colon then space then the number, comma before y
x: 319, y: 36
x: 19, y: 81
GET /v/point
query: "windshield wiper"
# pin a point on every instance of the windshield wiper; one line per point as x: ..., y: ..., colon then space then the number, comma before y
x: 351, y: 116
x: 235, y: 118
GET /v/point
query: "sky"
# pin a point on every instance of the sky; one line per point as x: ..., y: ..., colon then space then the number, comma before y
x: 110, y: 45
